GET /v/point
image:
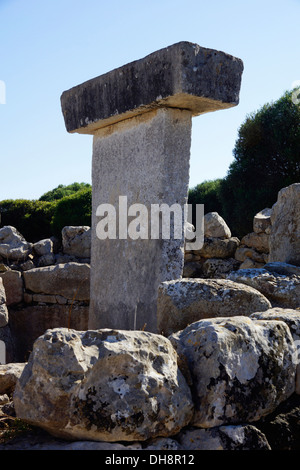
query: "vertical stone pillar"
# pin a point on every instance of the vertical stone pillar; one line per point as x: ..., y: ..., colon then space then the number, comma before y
x: 140, y: 116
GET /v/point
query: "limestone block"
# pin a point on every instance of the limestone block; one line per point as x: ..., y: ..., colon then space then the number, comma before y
x: 215, y: 226
x: 76, y: 241
x: 124, y: 386
x: 13, y: 285
x: 282, y: 291
x: 241, y: 369
x: 239, y: 437
x: 183, y: 75
x: 13, y: 245
x: 218, y: 247
x: 258, y: 241
x: 219, y: 268
x: 71, y: 280
x: 9, y: 374
x: 184, y: 301
x: 285, y: 231
x: 3, y: 307
x: 43, y: 247
x: 282, y: 268
x: 262, y: 221
x: 244, y: 252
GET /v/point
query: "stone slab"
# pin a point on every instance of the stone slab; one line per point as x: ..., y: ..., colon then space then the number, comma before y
x: 183, y: 75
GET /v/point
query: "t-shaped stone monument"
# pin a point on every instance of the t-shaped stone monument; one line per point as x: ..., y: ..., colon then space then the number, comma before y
x: 140, y: 116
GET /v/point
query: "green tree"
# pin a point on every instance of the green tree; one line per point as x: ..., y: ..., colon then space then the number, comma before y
x: 266, y: 159
x: 207, y: 193
x: 62, y: 191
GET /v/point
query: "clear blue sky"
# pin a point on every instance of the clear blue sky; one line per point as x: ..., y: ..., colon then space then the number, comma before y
x: 49, y: 46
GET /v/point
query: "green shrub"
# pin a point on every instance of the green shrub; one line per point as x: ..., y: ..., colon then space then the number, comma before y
x: 72, y: 210
x: 206, y: 193
x: 62, y: 191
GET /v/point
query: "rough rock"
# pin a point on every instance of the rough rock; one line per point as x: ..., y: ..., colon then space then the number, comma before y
x: 292, y: 319
x: 43, y: 247
x: 262, y: 221
x: 282, y: 291
x: 13, y: 285
x: 71, y: 280
x: 184, y: 301
x: 282, y: 268
x: 258, y: 241
x: 215, y: 226
x: 239, y: 437
x: 215, y: 268
x: 108, y: 385
x: 13, y: 245
x: 9, y: 374
x: 219, y: 247
x: 241, y: 369
x: 285, y: 231
x: 76, y: 241
x: 3, y: 307
x: 8, y: 340
x: 244, y: 252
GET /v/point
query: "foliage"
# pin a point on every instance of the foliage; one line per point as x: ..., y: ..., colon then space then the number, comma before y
x: 206, y: 193
x: 72, y: 210
x: 62, y: 191
x: 30, y: 217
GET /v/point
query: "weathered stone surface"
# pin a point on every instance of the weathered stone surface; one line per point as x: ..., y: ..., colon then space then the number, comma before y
x: 258, y: 241
x: 43, y: 247
x: 183, y: 75
x: 241, y: 369
x: 30, y: 322
x: 285, y: 231
x: 3, y: 307
x: 240, y: 437
x: 215, y: 226
x: 292, y: 318
x: 76, y: 241
x: 46, y: 260
x: 218, y: 247
x: 244, y: 252
x: 123, y: 386
x: 215, y: 268
x: 71, y: 280
x: 262, y: 221
x: 9, y: 374
x: 250, y: 264
x: 13, y: 245
x: 184, y: 301
x: 282, y: 291
x: 282, y: 268
x: 13, y: 285
x: 146, y: 154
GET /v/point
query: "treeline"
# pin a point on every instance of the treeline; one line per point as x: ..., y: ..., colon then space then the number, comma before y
x: 38, y: 219
x: 266, y: 159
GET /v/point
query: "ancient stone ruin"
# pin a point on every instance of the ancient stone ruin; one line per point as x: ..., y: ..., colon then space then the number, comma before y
x: 125, y: 345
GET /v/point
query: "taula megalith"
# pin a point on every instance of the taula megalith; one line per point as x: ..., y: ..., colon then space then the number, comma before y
x: 140, y: 116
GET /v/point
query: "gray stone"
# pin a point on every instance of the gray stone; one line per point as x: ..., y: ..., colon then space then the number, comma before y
x: 13, y: 285
x: 3, y: 307
x: 262, y: 221
x: 76, y: 241
x: 219, y: 268
x: 215, y: 226
x: 46, y: 260
x: 184, y: 301
x: 239, y: 437
x: 241, y: 369
x: 244, y: 252
x: 13, y: 245
x: 71, y: 280
x: 43, y: 247
x: 258, y: 241
x: 282, y: 291
x: 282, y: 268
x: 123, y: 386
x: 9, y: 375
x: 285, y: 218
x: 218, y: 247
x: 183, y: 75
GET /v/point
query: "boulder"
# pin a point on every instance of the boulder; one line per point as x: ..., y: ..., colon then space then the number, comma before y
x: 284, y: 240
x: 258, y: 241
x: 104, y: 385
x: 244, y: 252
x: 71, y: 280
x: 215, y: 226
x: 76, y: 241
x: 218, y: 247
x: 184, y: 301
x: 216, y: 268
x: 3, y: 307
x: 241, y: 369
x: 282, y: 291
x: 9, y: 375
x: 239, y: 437
x: 262, y: 221
x: 13, y: 285
x: 282, y: 268
x: 13, y: 245
x: 43, y: 247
